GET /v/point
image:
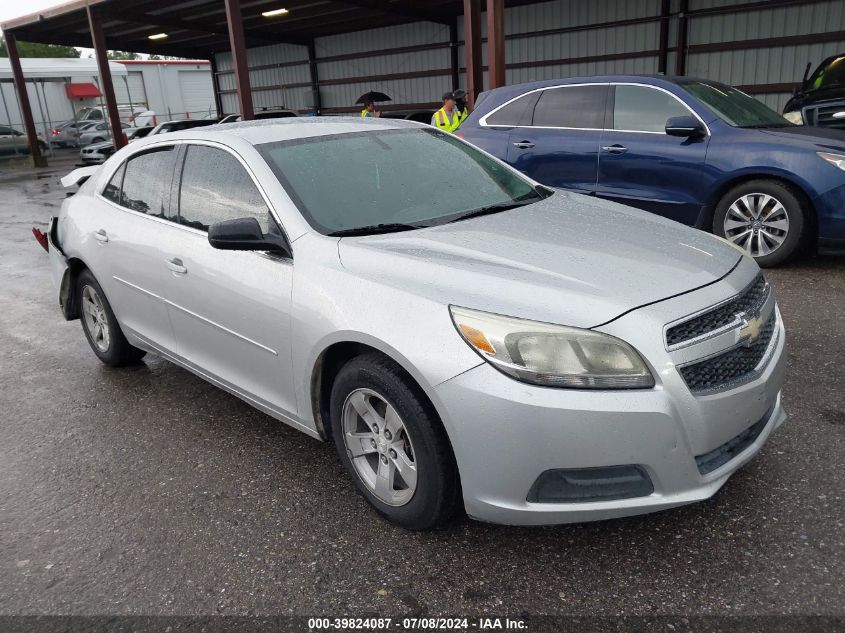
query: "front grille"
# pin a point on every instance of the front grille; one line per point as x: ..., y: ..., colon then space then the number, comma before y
x: 822, y: 115
x: 749, y: 300
x: 721, y: 455
x: 730, y: 367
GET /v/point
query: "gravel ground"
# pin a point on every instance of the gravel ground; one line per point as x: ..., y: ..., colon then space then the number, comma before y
x: 148, y: 491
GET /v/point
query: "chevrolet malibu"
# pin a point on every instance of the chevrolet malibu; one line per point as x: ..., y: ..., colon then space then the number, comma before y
x: 468, y: 338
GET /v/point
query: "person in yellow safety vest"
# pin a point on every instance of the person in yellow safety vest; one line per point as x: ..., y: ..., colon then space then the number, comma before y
x: 369, y: 110
x: 448, y: 118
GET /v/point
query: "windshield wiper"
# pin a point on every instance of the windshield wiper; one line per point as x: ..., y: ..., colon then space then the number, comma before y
x: 496, y: 208
x: 391, y: 227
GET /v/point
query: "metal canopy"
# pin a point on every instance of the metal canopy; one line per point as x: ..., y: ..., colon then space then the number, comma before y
x: 198, y: 28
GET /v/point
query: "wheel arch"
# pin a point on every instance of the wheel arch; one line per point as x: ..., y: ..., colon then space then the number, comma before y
x: 705, y: 220
x: 335, y: 355
x: 67, y: 290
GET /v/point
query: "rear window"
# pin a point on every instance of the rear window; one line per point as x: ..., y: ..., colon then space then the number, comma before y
x: 517, y: 112
x: 146, y: 182
x: 578, y: 107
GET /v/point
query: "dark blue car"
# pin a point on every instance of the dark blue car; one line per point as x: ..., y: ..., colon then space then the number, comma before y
x: 696, y: 151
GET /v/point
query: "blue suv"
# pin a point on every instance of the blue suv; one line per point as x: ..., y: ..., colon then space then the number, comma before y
x: 696, y: 151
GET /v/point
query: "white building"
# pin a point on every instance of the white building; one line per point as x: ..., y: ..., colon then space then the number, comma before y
x: 58, y: 88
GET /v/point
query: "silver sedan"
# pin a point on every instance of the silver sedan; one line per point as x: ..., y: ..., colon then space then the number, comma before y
x: 469, y: 339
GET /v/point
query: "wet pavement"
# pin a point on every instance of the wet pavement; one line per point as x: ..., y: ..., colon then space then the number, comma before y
x: 148, y: 491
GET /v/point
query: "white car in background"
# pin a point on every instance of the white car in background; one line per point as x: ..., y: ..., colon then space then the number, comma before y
x: 98, y: 152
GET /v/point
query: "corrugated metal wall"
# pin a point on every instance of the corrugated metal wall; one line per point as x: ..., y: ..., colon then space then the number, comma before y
x: 815, y: 30
x: 561, y: 38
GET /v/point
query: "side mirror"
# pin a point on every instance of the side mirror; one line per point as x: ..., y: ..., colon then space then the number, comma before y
x: 244, y: 234
x: 685, y: 126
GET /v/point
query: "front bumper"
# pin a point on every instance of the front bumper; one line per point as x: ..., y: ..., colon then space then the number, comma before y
x: 505, y: 434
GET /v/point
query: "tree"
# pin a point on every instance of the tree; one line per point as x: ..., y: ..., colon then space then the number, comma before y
x: 31, y: 49
x: 122, y: 55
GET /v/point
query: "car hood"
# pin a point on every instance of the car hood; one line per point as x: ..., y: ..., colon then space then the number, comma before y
x: 99, y: 146
x: 568, y: 259
x: 818, y: 137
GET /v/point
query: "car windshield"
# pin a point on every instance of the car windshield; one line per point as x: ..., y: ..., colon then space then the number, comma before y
x: 831, y: 74
x: 735, y: 107
x: 381, y: 181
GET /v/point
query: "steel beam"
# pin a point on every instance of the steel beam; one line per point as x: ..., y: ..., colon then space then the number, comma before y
x: 313, y: 72
x: 237, y: 43
x: 23, y: 97
x: 472, y: 50
x: 496, y: 42
x: 683, y: 29
x: 98, y: 39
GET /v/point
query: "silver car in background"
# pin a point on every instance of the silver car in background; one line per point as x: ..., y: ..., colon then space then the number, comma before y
x: 468, y: 338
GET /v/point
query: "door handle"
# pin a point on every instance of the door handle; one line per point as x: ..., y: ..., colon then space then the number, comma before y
x: 101, y: 236
x: 175, y: 265
x: 615, y: 149
x: 524, y: 144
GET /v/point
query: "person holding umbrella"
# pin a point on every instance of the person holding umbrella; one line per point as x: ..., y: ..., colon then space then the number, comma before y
x: 369, y: 100
x: 448, y: 118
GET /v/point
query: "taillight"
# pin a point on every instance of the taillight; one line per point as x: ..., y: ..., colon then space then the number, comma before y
x: 41, y: 238
x: 55, y: 132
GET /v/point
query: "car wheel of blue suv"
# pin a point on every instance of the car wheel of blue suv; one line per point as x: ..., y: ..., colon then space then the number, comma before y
x: 765, y: 217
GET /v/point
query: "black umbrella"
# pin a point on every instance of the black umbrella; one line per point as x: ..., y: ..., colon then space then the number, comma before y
x: 373, y: 97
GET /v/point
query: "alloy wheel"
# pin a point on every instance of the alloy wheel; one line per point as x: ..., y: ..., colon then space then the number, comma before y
x: 379, y: 447
x: 96, y: 321
x: 757, y: 222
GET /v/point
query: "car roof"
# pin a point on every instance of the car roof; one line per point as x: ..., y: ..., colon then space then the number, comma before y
x: 649, y: 80
x: 273, y: 130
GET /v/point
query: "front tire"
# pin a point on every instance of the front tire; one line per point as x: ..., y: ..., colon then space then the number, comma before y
x: 100, y: 325
x: 392, y: 444
x: 764, y: 217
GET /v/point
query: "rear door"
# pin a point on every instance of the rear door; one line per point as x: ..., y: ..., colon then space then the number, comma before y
x: 642, y: 166
x: 230, y: 309
x: 132, y: 232
x: 560, y: 146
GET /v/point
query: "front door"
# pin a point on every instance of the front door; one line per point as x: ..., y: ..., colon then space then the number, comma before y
x: 230, y: 309
x: 642, y: 166
x: 560, y: 147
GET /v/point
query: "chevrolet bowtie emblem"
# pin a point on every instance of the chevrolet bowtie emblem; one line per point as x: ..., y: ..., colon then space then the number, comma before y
x: 750, y: 330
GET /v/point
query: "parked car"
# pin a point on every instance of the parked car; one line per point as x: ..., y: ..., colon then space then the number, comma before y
x: 695, y: 151
x: 98, y: 133
x: 176, y: 126
x: 13, y: 141
x: 820, y: 100
x: 276, y: 113
x: 466, y: 331
x: 67, y: 134
x: 97, y: 153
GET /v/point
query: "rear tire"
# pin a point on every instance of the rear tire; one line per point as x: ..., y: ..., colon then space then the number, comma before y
x: 766, y: 218
x: 100, y: 325
x: 407, y: 438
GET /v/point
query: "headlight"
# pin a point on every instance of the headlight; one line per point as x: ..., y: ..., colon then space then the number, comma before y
x: 552, y: 355
x: 794, y: 117
x: 837, y: 160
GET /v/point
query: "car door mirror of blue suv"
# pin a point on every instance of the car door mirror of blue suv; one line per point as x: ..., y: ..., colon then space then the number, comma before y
x: 685, y: 126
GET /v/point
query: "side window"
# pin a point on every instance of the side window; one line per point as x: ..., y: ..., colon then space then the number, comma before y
x: 573, y: 107
x: 112, y: 190
x: 518, y: 112
x: 146, y: 182
x: 644, y: 109
x: 216, y: 187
